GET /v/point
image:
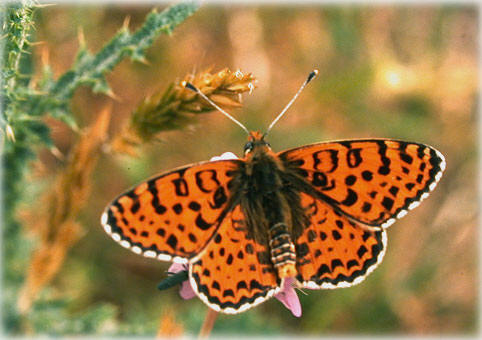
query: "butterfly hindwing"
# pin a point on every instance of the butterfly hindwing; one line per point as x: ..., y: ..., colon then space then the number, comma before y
x: 371, y: 181
x: 333, y: 251
x: 173, y: 215
x: 233, y: 273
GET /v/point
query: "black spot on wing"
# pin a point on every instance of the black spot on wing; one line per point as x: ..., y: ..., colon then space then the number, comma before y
x: 353, y: 157
x: 156, y: 204
x: 367, y: 175
x: 172, y: 241
x: 302, y: 250
x: 323, y: 269
x: 192, y: 237
x: 228, y: 292
x: 177, y: 208
x: 366, y: 207
x: 387, y: 203
x: 194, y: 206
x: 215, y: 285
x: 241, y: 285
x: 333, y: 154
x: 201, y: 223
x: 136, y: 206
x: 180, y: 187
x: 361, y: 251
x: 219, y: 198
x: 311, y: 235
x: 336, y: 235
x: 382, y: 151
x: 350, y: 199
x: 393, y: 190
x: 406, y: 158
x: 352, y: 263
x: 350, y: 180
x: 336, y: 263
x: 200, y: 182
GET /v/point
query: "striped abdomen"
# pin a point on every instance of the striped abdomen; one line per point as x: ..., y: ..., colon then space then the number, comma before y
x: 282, y: 248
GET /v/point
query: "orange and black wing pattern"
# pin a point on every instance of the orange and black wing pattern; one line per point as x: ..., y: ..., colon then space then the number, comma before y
x: 333, y: 251
x: 174, y: 215
x: 371, y: 181
x: 233, y: 273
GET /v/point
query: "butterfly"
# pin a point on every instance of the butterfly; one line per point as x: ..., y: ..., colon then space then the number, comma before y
x: 317, y: 214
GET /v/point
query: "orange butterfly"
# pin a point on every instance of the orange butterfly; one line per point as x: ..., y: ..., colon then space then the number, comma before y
x: 316, y: 213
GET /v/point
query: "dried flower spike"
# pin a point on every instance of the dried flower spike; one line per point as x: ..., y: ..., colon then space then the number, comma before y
x: 173, y: 108
x: 56, y: 225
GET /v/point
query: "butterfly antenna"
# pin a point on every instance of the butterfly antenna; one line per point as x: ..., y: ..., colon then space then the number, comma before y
x: 312, y: 75
x: 195, y: 89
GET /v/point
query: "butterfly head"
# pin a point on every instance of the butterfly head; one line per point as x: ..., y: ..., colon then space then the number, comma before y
x: 256, y: 142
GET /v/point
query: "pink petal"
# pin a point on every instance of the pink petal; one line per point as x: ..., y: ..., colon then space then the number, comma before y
x: 289, y: 298
x: 177, y: 267
x: 185, y: 290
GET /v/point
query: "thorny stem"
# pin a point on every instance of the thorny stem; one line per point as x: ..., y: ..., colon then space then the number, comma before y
x: 208, y: 324
x: 24, y: 13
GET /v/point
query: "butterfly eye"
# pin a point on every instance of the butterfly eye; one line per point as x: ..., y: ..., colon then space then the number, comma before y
x: 248, y: 147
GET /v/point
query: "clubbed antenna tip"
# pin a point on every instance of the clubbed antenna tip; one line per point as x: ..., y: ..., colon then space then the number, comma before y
x: 190, y: 86
x: 313, y: 74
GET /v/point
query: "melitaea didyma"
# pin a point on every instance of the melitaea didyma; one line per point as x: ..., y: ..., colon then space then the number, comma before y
x: 317, y: 213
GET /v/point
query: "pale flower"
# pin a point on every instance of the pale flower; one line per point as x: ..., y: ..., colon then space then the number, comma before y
x: 225, y: 156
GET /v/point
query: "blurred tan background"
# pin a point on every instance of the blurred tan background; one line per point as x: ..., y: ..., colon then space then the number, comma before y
x: 407, y: 72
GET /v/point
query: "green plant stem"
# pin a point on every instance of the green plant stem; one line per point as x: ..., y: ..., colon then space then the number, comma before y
x: 23, y: 13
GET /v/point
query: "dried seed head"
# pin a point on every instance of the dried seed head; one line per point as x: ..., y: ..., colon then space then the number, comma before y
x: 173, y: 108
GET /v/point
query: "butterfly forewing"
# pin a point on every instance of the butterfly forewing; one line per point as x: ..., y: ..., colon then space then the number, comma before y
x: 172, y: 215
x: 233, y: 273
x: 333, y: 251
x: 371, y: 181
